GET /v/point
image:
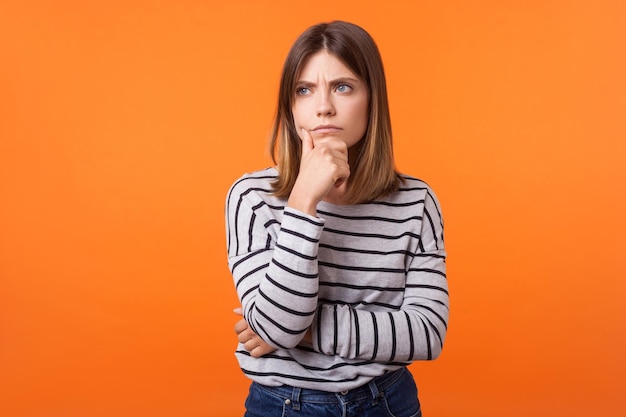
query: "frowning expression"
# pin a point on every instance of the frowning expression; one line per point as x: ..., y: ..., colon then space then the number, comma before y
x: 330, y: 100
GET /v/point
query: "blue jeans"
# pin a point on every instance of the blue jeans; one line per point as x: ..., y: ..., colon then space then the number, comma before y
x: 393, y: 394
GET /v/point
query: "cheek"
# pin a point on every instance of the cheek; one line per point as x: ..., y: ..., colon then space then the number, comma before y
x: 296, y: 113
x: 363, y: 115
x: 298, y: 124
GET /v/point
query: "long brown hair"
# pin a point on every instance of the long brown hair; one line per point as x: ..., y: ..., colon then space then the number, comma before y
x: 373, y: 174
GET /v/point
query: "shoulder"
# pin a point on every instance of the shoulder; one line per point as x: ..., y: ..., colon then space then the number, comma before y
x: 416, y: 190
x: 257, y: 179
x: 417, y: 187
x: 256, y: 182
x: 409, y: 182
x: 413, y: 187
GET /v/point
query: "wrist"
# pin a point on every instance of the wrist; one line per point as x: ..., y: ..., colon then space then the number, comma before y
x: 304, y: 203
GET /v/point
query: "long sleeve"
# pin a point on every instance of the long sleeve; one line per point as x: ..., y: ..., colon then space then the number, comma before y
x: 413, y: 331
x: 367, y: 279
x: 273, y: 263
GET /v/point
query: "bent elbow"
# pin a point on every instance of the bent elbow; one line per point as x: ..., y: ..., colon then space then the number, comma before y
x: 435, y: 353
x: 436, y: 348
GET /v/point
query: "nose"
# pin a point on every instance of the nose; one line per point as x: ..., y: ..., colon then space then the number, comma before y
x: 325, y: 106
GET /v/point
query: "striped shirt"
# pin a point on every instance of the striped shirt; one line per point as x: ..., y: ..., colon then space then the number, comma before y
x: 368, y: 279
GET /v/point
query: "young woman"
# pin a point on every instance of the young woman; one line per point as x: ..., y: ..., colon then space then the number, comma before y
x: 338, y: 259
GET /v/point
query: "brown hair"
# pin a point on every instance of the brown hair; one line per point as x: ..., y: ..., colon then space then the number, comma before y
x: 373, y: 174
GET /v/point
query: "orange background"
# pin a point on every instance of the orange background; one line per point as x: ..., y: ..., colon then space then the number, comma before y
x: 124, y: 123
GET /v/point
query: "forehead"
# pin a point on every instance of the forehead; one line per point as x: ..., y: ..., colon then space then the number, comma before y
x: 324, y: 64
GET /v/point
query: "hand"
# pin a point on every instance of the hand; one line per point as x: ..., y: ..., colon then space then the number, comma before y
x: 252, y: 342
x: 324, y: 165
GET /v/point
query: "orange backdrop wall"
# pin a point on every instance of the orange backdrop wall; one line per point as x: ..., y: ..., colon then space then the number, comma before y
x: 123, y: 123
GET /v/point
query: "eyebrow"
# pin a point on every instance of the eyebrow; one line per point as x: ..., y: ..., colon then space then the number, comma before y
x: 339, y: 80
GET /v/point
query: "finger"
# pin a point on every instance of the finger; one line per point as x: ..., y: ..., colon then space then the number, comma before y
x: 241, y: 326
x: 258, y: 351
x: 342, y: 179
x: 246, y: 336
x: 238, y: 311
x: 307, y: 142
x: 251, y: 344
x: 261, y: 350
x: 341, y: 170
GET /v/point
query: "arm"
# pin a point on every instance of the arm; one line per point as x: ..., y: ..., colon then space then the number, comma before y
x: 274, y: 268
x: 276, y: 275
x: 416, y: 330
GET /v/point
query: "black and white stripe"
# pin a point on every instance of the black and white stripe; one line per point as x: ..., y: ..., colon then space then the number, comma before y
x: 369, y: 280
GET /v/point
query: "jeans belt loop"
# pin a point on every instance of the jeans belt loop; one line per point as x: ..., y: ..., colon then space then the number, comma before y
x: 375, y: 393
x: 295, y: 399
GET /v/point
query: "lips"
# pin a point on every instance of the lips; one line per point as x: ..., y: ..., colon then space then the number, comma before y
x: 326, y: 129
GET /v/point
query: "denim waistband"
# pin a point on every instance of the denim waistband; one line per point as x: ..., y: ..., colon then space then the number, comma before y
x: 293, y: 395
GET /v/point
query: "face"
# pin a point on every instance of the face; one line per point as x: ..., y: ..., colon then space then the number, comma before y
x: 330, y: 100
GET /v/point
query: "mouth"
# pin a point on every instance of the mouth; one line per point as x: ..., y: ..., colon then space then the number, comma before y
x: 326, y: 129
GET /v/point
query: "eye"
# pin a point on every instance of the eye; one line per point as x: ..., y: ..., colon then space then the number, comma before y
x: 343, y: 88
x: 302, y: 91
